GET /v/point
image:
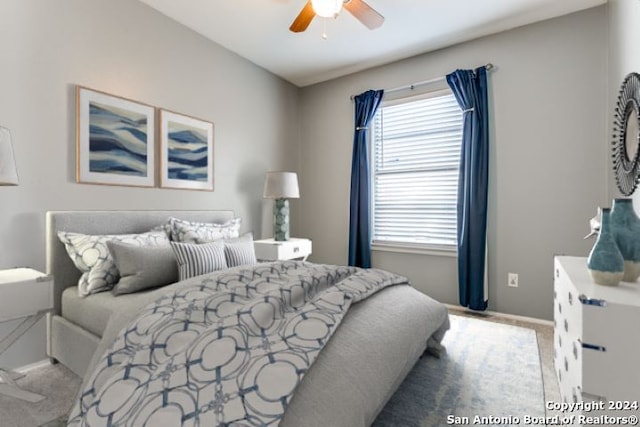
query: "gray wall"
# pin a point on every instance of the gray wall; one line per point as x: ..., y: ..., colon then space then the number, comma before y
x: 548, y: 169
x: 125, y: 48
x: 548, y: 93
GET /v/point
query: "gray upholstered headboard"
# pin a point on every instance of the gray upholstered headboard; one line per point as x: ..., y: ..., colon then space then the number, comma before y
x: 59, y: 263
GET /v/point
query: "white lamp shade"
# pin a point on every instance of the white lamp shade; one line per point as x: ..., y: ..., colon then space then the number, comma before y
x: 281, y: 185
x: 8, y: 172
x: 327, y: 8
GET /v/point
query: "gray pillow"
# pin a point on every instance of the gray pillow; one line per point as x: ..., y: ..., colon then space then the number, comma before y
x: 240, y: 251
x: 142, y: 267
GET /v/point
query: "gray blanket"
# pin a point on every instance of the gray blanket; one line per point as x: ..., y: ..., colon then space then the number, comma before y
x: 222, y: 349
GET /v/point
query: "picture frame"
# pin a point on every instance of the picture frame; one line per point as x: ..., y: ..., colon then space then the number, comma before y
x: 186, y: 152
x: 115, y: 140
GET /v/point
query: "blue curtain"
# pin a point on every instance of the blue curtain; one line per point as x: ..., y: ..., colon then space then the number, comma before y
x: 470, y: 90
x: 366, y: 105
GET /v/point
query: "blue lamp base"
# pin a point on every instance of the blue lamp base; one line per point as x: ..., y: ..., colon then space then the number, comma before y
x: 281, y: 220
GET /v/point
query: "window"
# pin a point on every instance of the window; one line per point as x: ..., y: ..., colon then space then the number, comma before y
x: 416, y: 154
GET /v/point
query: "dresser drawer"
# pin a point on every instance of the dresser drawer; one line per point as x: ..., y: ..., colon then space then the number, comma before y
x: 270, y: 250
x: 296, y: 249
x: 610, y: 337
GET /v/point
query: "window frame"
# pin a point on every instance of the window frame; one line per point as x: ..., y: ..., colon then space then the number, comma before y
x: 436, y: 249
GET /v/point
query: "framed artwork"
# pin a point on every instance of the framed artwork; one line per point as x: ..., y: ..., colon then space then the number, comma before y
x: 186, y: 152
x: 115, y: 141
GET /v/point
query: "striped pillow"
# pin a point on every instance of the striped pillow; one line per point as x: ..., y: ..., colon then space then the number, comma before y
x: 240, y: 253
x: 195, y: 260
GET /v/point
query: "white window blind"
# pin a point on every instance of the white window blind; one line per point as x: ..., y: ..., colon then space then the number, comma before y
x: 416, y: 155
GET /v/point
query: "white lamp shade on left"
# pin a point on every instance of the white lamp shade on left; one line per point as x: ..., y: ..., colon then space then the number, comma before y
x: 8, y: 172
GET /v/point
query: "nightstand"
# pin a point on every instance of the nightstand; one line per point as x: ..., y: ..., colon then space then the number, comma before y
x: 272, y: 250
x: 24, y: 294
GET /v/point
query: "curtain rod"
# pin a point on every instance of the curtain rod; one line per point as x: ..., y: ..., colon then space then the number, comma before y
x: 412, y: 86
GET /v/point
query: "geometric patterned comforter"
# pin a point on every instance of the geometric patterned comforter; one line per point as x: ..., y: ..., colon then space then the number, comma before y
x: 229, y: 350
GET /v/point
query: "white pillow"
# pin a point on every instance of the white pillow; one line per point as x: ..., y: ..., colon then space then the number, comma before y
x: 203, y: 232
x: 91, y: 256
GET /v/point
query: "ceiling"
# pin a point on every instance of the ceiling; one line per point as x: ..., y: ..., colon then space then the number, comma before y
x: 258, y: 30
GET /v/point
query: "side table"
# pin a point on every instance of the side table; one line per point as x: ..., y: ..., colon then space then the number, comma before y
x: 24, y: 294
x: 275, y: 250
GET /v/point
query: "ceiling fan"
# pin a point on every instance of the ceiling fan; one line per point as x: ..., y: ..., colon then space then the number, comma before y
x: 331, y: 8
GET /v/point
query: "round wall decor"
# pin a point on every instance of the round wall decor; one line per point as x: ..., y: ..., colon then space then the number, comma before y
x: 626, y: 135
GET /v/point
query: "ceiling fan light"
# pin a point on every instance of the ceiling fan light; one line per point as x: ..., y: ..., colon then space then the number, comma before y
x: 327, y: 8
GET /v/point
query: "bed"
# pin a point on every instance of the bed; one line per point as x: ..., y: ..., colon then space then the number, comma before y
x: 372, y: 349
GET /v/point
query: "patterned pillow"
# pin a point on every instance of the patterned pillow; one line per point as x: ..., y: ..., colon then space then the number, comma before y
x: 166, y: 227
x: 197, y: 259
x: 91, y: 256
x: 203, y: 232
x: 240, y: 251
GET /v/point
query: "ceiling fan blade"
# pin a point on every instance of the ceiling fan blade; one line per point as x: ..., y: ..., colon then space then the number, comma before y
x: 303, y: 19
x: 364, y: 13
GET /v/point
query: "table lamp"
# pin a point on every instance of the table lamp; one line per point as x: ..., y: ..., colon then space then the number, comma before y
x: 281, y: 186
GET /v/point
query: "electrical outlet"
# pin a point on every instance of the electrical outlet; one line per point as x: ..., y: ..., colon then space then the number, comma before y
x: 512, y: 280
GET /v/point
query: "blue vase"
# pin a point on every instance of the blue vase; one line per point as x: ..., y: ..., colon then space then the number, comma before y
x: 625, y: 226
x: 605, y: 262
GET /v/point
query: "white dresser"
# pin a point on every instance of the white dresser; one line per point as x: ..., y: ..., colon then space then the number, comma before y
x: 596, y: 339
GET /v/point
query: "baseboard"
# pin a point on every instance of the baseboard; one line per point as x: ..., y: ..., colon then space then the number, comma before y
x: 488, y: 314
x: 32, y: 366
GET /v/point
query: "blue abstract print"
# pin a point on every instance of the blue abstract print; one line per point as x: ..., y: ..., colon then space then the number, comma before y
x: 117, y: 141
x: 188, y: 152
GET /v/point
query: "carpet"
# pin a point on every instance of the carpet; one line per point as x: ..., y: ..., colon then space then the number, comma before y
x: 57, y: 383
x: 489, y: 370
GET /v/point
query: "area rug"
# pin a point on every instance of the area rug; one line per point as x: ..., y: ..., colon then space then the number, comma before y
x: 489, y: 370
